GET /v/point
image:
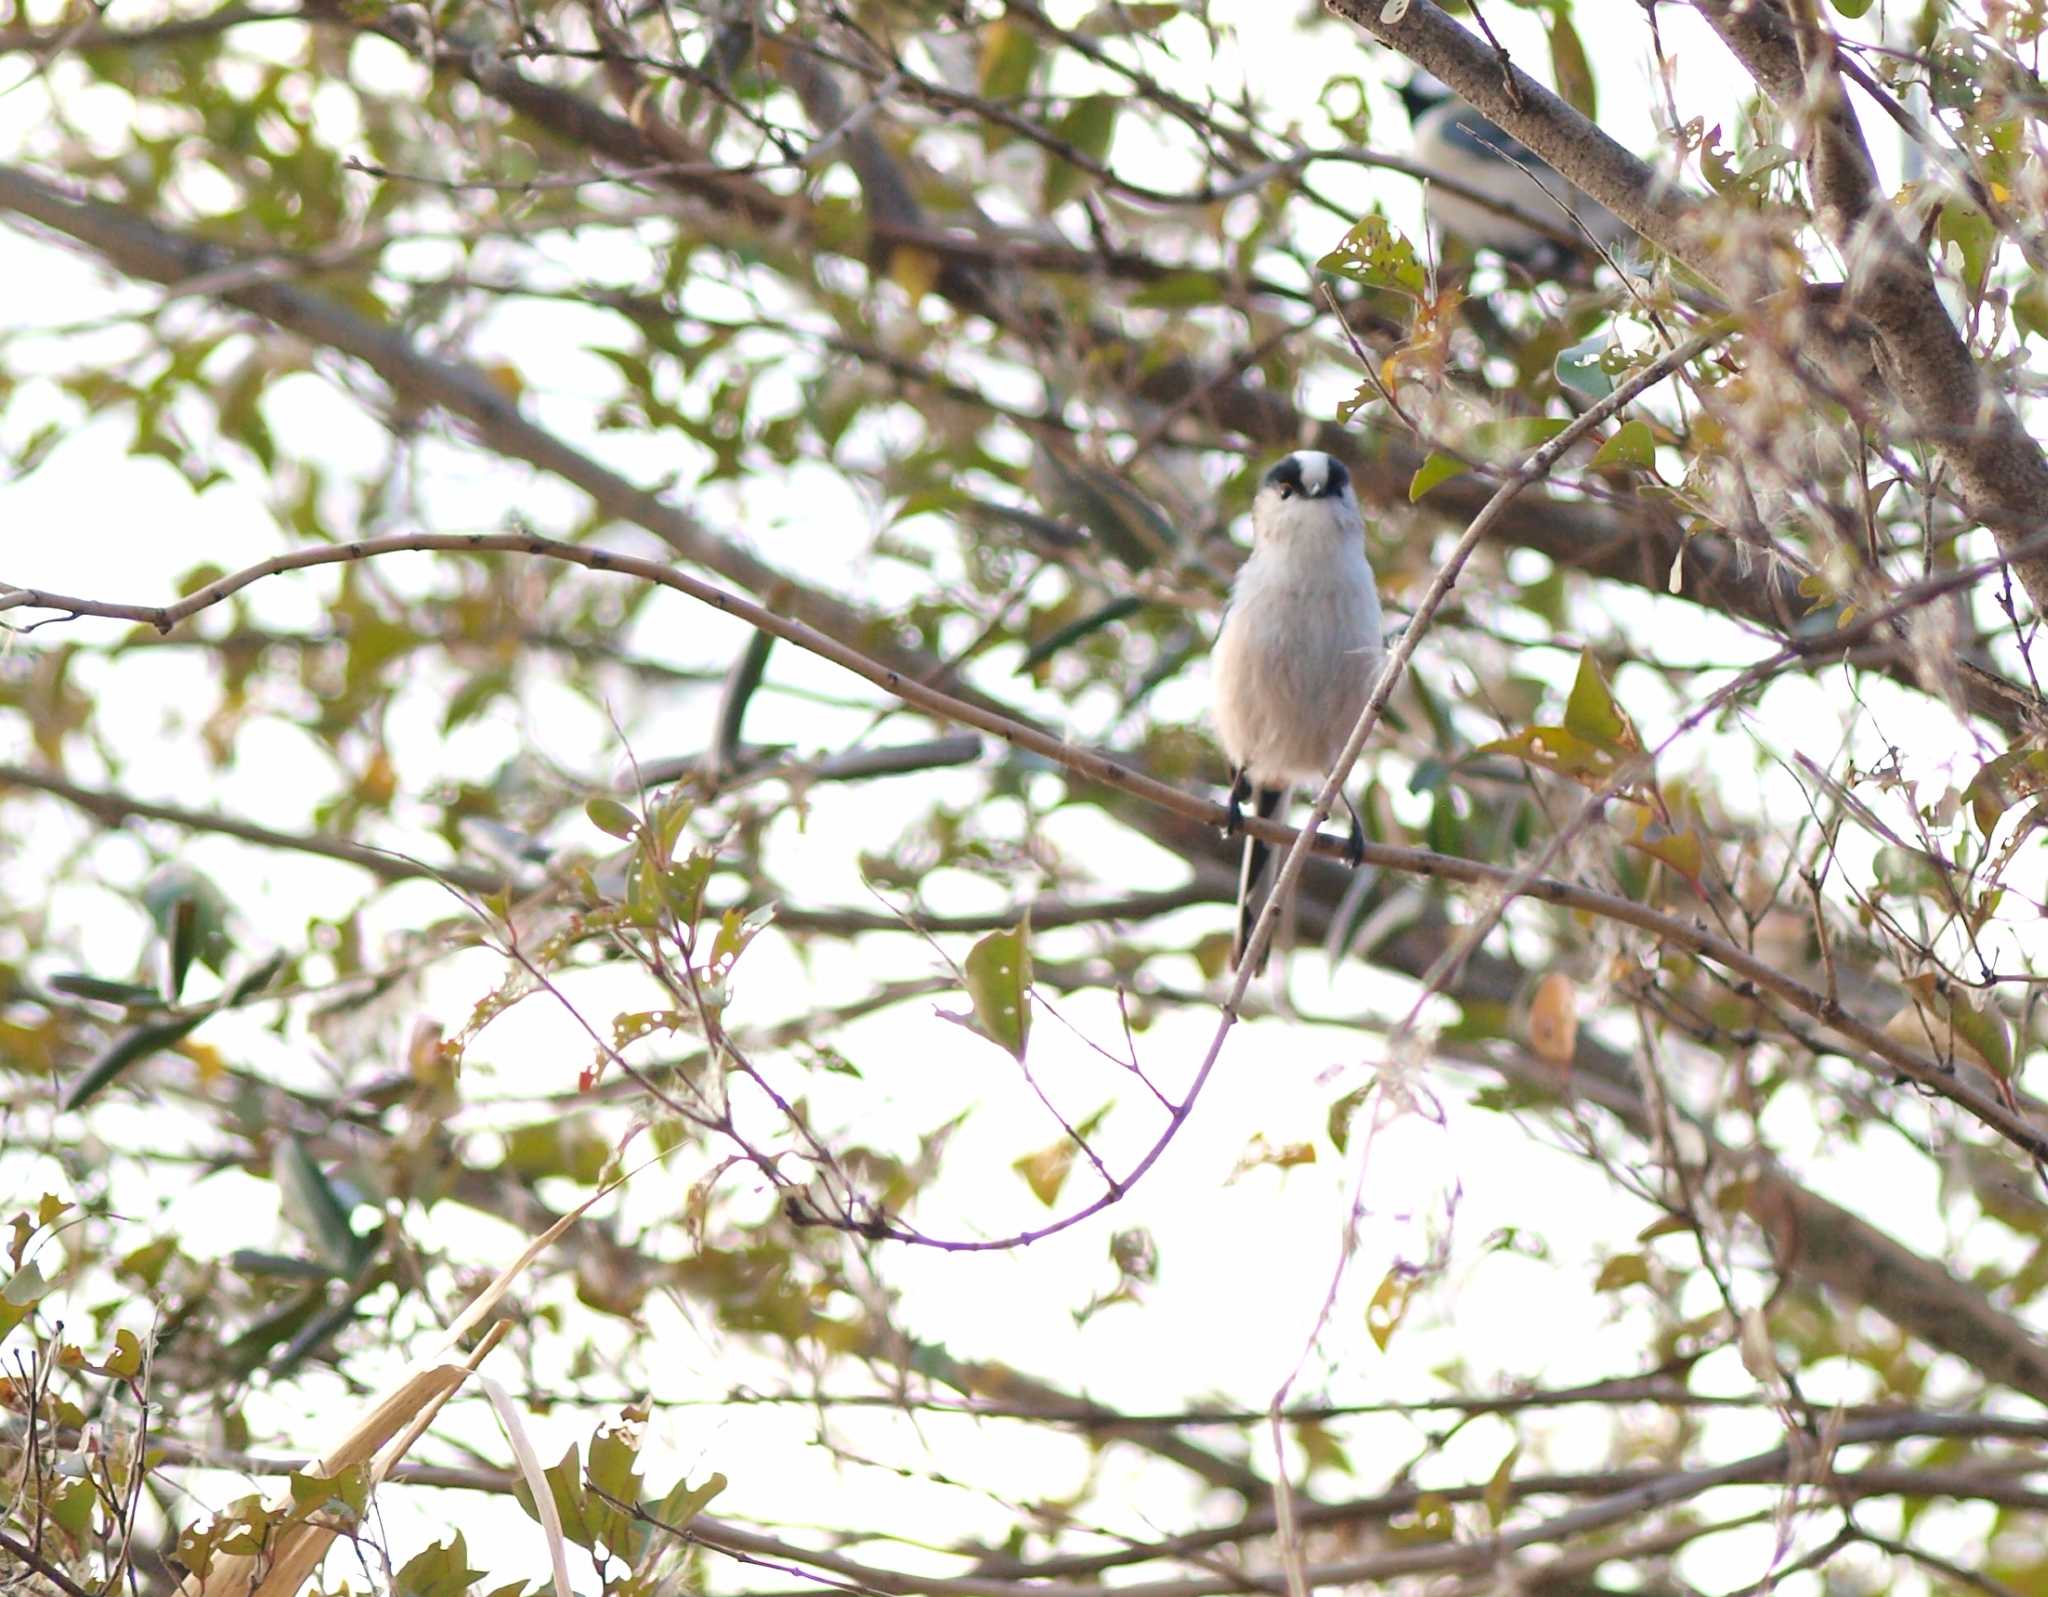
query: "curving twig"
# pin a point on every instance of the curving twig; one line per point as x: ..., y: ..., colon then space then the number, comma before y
x: 1750, y: 974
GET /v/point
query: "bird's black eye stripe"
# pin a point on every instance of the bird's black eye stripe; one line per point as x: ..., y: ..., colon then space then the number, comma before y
x: 1286, y: 490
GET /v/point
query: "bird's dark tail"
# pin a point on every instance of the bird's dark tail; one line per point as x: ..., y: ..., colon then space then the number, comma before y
x: 1256, y: 855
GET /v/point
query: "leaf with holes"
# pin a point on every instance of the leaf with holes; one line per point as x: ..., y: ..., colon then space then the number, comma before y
x: 1375, y: 254
x: 1558, y: 750
x: 1583, y: 368
x: 999, y: 982
x: 609, y: 815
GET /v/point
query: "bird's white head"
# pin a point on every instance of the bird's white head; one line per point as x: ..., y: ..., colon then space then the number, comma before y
x: 1305, y: 493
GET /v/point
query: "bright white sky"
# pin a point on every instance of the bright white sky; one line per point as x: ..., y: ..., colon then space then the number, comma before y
x: 1245, y: 1262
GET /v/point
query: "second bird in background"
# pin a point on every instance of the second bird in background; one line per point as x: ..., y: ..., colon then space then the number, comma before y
x: 1455, y: 142
x: 1298, y: 651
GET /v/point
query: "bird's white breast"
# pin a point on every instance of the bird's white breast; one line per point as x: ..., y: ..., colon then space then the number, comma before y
x: 1296, y: 657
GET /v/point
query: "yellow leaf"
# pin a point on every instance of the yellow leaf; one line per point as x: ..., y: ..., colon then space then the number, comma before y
x: 913, y: 270
x: 1624, y: 1269
x: 1951, y: 1025
x: 1389, y: 1304
x: 206, y: 1058
x: 1045, y: 1171
x: 1554, y: 1019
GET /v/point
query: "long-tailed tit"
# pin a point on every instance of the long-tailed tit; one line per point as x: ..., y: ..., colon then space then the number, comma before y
x: 1298, y: 651
x: 1456, y: 142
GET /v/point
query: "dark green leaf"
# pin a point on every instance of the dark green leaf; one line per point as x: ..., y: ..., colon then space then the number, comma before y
x: 1178, y: 291
x: 124, y: 1051
x: 311, y: 1203
x: 128, y: 994
x: 1074, y: 631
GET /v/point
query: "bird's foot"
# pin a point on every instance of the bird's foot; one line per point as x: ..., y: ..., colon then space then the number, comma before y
x: 1240, y: 790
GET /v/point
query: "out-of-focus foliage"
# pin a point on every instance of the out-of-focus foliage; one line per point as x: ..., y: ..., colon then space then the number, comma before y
x: 366, y: 921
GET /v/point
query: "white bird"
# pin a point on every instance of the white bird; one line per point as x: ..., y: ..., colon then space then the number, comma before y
x: 1297, y: 653
x: 1454, y: 141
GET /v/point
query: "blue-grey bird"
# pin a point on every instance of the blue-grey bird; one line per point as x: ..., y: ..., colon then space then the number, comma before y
x: 1454, y: 141
x: 1298, y: 651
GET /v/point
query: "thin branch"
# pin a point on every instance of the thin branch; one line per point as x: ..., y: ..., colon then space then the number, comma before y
x: 1750, y: 972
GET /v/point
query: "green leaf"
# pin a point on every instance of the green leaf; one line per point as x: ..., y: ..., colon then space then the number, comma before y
x: 1513, y: 435
x: 311, y: 1204
x: 439, y: 1571
x: 1851, y: 8
x: 70, y: 1507
x: 1438, y: 468
x: 565, y: 1486
x: 1682, y: 850
x: 191, y: 916
x: 23, y: 1291
x: 1559, y: 750
x: 610, y: 816
x: 1983, y: 1031
x: 1089, y: 125
x: 1500, y: 1487
x: 1591, y: 712
x: 1341, y: 1112
x: 685, y: 1502
x: 1569, y: 66
x: 1178, y: 291
x: 2030, y: 306
x: 1115, y: 19
x: 124, y: 1051
x: 1045, y: 1171
x: 1009, y: 51
x: 129, y: 995
x: 998, y: 972
x: 1375, y: 254
x: 125, y: 1362
x: 612, y: 1474
x: 1074, y: 631
x: 1583, y: 368
x: 344, y: 1496
x: 1632, y: 446
x: 682, y: 887
x: 1431, y: 1520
